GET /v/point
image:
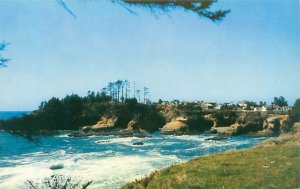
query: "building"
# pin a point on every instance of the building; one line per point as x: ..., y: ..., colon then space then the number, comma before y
x: 261, y: 109
x: 243, y: 103
x: 218, y: 107
x: 207, y: 106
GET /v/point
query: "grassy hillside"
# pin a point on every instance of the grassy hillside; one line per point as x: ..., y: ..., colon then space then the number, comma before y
x: 273, y: 164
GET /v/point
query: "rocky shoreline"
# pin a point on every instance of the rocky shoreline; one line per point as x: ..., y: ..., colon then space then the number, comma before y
x: 246, y: 123
x: 255, y: 167
x: 135, y: 119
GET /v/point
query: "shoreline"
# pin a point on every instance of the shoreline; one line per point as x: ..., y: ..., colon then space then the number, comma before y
x: 175, y: 176
x: 159, y: 151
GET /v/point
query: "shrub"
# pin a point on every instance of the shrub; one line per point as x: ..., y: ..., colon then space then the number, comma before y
x: 57, y: 182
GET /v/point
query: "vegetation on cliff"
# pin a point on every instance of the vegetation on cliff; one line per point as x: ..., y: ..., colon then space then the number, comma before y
x: 272, y: 164
x: 225, y: 118
x: 74, y: 112
x: 195, y: 117
x: 295, y: 112
x: 113, y: 109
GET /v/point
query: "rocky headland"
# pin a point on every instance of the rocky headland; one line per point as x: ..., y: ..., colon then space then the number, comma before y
x: 176, y: 122
x: 99, y: 115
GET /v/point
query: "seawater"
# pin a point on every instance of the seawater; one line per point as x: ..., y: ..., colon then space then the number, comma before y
x: 109, y: 161
x: 11, y: 114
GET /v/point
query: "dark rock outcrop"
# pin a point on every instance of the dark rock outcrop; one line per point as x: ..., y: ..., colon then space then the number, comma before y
x: 217, y: 138
x: 57, y: 166
x: 138, y: 143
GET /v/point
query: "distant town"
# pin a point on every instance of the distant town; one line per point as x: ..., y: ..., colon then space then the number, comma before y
x: 121, y: 90
x: 240, y: 106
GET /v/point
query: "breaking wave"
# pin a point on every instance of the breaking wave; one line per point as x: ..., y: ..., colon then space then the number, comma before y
x: 107, y: 160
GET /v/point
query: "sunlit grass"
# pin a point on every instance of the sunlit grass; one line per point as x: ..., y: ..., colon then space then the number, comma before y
x: 273, y: 164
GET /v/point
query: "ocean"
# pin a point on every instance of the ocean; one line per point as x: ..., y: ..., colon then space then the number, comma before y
x: 108, y: 161
x: 12, y: 114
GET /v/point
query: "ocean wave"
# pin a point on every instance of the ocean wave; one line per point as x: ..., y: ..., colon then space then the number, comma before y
x: 109, y: 164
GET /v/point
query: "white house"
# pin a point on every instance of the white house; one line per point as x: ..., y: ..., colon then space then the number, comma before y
x: 264, y: 109
x: 243, y: 103
x: 261, y: 109
x: 257, y: 109
x: 218, y: 107
x: 207, y: 106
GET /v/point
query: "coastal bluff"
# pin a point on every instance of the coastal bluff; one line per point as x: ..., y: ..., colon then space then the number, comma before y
x: 84, y: 117
x: 256, y: 124
x: 222, y: 123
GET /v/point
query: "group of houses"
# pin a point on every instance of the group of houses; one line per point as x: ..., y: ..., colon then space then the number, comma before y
x: 240, y: 106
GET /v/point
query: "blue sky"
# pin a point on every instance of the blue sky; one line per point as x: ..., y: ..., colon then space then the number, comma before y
x: 253, y: 54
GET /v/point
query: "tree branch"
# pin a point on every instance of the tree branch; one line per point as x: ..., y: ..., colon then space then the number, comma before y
x: 3, y: 61
x: 63, y: 4
x: 200, y: 7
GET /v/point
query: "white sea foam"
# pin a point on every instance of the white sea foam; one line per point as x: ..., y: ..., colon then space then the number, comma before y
x: 107, y: 172
x: 128, y: 141
x: 198, y: 138
x: 110, y: 164
x: 63, y: 135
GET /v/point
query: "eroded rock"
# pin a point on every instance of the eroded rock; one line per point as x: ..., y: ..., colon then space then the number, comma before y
x: 105, y: 123
x: 179, y: 125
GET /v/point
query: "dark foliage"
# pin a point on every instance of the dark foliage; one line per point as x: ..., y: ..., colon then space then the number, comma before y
x: 200, y: 7
x: 295, y: 112
x: 3, y: 60
x: 261, y: 103
x: 150, y: 118
x: 57, y: 182
x: 69, y: 113
x: 251, y: 122
x: 189, y: 109
x: 195, y: 117
x: 74, y: 112
x: 280, y: 101
x: 225, y: 118
x: 197, y: 123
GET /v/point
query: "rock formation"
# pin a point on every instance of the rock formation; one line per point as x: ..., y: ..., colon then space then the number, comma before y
x: 176, y: 125
x: 105, y: 123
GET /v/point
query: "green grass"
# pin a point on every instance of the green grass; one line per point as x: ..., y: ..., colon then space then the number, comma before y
x: 273, y: 164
